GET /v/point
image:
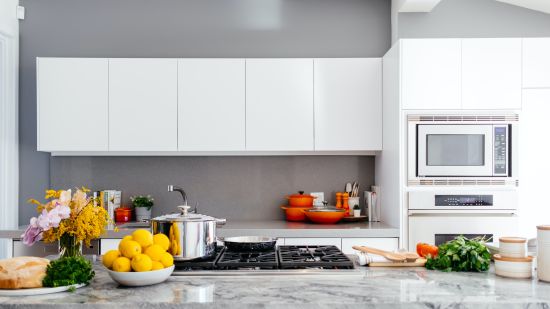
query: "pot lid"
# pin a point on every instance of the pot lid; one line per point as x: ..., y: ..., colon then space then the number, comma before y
x: 516, y: 240
x: 185, y: 216
x: 300, y: 194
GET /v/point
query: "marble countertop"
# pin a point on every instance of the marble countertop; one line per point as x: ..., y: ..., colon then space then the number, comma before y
x: 275, y: 228
x: 371, y: 287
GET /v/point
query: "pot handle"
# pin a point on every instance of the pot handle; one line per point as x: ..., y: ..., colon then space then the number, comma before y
x: 220, y: 222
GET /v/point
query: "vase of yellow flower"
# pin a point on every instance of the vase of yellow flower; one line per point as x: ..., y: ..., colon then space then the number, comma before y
x: 70, y: 219
x: 69, y: 246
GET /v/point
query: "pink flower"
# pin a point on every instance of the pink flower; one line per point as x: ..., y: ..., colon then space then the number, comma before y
x: 33, y: 233
x: 64, y: 211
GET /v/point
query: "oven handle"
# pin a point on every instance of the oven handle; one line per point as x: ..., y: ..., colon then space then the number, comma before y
x: 465, y: 212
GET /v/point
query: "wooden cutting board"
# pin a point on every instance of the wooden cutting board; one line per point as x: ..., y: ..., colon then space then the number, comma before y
x: 418, y: 263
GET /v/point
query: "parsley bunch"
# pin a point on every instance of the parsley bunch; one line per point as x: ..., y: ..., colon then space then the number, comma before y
x: 67, y: 271
x: 461, y: 254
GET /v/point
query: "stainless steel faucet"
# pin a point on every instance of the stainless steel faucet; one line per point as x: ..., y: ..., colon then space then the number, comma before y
x: 172, y: 188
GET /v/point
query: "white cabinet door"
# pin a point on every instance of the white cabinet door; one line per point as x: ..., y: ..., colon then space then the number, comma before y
x: 143, y: 105
x: 211, y: 104
x: 491, y: 73
x: 388, y: 244
x: 314, y: 242
x: 279, y: 104
x: 430, y: 74
x: 72, y: 104
x: 348, y: 104
x: 533, y: 152
x: 536, y: 62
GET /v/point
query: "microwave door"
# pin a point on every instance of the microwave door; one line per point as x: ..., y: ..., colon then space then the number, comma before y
x: 454, y: 150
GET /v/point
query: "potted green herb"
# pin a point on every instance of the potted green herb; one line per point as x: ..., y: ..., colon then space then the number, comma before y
x: 142, y: 205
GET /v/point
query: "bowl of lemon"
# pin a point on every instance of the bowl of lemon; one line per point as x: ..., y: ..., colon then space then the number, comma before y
x: 141, y: 259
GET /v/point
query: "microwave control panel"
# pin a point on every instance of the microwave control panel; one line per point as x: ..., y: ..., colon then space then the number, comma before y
x: 500, y: 150
x: 464, y: 200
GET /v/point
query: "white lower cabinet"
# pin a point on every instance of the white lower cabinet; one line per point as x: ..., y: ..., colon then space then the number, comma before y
x: 314, y: 242
x: 388, y: 244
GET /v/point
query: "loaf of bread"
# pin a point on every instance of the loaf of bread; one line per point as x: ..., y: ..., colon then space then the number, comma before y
x: 22, y: 272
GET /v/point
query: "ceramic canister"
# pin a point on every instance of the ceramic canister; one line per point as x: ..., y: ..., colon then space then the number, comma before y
x: 543, y: 252
x: 514, y: 247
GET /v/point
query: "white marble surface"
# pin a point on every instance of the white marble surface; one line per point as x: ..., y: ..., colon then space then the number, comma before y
x: 373, y: 287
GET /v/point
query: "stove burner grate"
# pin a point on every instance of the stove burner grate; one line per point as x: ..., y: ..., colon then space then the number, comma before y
x: 326, y: 257
x: 254, y: 260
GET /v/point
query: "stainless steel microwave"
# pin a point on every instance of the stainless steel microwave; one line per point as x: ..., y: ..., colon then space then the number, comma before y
x: 447, y: 147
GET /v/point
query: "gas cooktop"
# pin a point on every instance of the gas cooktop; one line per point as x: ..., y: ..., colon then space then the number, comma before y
x: 282, y: 260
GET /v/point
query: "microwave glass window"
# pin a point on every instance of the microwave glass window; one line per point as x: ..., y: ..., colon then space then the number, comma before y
x: 455, y: 149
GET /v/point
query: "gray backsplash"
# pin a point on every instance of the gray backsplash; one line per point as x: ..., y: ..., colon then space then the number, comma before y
x: 236, y: 188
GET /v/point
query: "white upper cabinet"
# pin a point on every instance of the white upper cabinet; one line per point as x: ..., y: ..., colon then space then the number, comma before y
x: 431, y: 71
x: 491, y: 73
x: 211, y: 104
x: 348, y: 104
x: 536, y: 63
x: 143, y: 105
x: 72, y: 104
x: 279, y: 104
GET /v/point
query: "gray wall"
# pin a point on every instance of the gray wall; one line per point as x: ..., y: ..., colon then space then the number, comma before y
x: 237, y: 188
x: 193, y: 28
x: 474, y: 18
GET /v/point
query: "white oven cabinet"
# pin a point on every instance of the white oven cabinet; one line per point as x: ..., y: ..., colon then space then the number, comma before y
x: 388, y: 244
x: 433, y: 228
x: 348, y: 104
x: 491, y: 73
x: 430, y: 73
x: 536, y: 63
x: 143, y: 105
x: 211, y: 104
x: 72, y: 104
x: 279, y: 104
x: 314, y: 242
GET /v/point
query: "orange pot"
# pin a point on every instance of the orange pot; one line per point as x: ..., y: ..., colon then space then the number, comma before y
x: 300, y: 200
x: 295, y: 213
x: 325, y: 216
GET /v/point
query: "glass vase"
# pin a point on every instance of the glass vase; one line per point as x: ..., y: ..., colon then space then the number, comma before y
x: 69, y: 246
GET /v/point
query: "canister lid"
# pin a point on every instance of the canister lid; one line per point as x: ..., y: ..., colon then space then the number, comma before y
x: 516, y: 240
x: 543, y: 227
x: 498, y: 257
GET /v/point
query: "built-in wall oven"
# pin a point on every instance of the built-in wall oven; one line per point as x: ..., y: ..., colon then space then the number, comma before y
x: 455, y: 149
x: 437, y: 216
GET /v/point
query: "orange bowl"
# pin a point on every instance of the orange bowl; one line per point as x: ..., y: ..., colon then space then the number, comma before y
x: 325, y: 217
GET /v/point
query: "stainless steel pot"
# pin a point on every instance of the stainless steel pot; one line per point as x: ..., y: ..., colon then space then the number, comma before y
x: 192, y: 236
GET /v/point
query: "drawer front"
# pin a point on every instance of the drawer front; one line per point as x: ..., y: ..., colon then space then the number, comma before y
x: 388, y: 244
x: 314, y: 242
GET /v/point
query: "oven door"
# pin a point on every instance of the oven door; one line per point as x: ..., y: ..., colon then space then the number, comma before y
x: 437, y: 229
x: 454, y: 150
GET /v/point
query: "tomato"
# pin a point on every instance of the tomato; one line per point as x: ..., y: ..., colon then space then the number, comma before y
x: 425, y: 250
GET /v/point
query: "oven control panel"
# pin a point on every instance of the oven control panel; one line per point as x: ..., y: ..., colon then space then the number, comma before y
x: 464, y: 200
x: 500, y: 150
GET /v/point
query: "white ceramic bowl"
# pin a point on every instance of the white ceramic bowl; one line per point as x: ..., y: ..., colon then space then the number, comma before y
x: 520, y: 268
x: 514, y: 247
x: 141, y: 278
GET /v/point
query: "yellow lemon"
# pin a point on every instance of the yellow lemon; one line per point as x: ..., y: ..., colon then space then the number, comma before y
x: 154, y: 252
x: 122, y: 264
x: 142, y: 262
x: 157, y: 265
x: 127, y: 237
x: 161, y: 240
x: 129, y: 248
x: 143, y: 237
x: 109, y: 257
x: 167, y: 259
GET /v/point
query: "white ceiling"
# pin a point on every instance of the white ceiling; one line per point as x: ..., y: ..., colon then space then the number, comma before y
x: 537, y: 5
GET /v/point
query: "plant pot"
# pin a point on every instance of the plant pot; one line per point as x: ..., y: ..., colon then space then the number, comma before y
x: 143, y: 214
